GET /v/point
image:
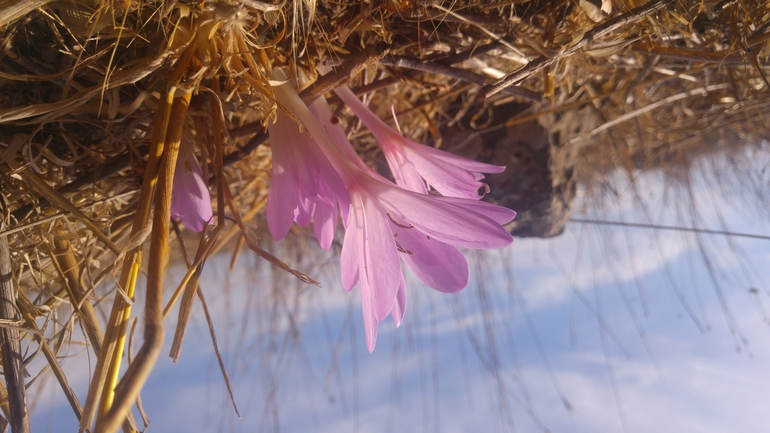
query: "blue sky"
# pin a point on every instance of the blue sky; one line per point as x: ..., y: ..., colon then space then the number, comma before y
x: 626, y: 325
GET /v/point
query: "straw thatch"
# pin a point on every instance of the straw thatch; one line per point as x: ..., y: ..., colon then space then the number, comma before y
x: 95, y: 96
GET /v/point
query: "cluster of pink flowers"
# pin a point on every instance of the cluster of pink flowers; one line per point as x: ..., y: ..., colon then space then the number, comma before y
x: 317, y: 176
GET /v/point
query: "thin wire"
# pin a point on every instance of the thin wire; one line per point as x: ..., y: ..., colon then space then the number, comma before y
x: 665, y: 227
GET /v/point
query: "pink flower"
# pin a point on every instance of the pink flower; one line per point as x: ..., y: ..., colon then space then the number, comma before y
x: 303, y: 187
x: 190, y: 199
x: 413, y: 165
x: 387, y: 222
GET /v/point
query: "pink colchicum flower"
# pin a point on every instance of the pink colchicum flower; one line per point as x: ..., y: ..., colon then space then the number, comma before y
x: 190, y: 198
x: 413, y: 164
x: 303, y: 184
x: 387, y: 222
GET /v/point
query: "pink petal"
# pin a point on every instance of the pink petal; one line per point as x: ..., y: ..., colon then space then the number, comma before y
x: 293, y: 146
x: 303, y: 214
x: 332, y: 190
x: 349, y: 258
x: 381, y: 264
x: 405, y: 175
x: 336, y: 188
x: 451, y: 175
x: 370, y: 322
x: 448, y: 179
x: 190, y: 200
x: 374, y: 123
x: 440, y: 266
x: 323, y: 113
x: 462, y: 162
x: 282, y: 199
x: 283, y: 193
x: 368, y: 291
x: 399, y: 306
x: 324, y: 223
x: 412, y: 180
x: 403, y: 172
x: 285, y: 133
x: 500, y: 214
x: 443, y: 221
x: 345, y: 214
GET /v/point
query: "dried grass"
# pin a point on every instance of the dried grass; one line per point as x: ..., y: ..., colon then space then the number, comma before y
x: 87, y: 118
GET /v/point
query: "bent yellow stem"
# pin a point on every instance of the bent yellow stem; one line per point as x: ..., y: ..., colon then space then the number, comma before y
x: 129, y: 387
x: 108, y: 362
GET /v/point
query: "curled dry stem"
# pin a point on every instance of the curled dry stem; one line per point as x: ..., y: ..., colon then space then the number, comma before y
x: 109, y: 360
x: 129, y: 387
x: 116, y: 325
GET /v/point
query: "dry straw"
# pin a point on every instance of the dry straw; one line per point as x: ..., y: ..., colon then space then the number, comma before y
x: 95, y: 96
